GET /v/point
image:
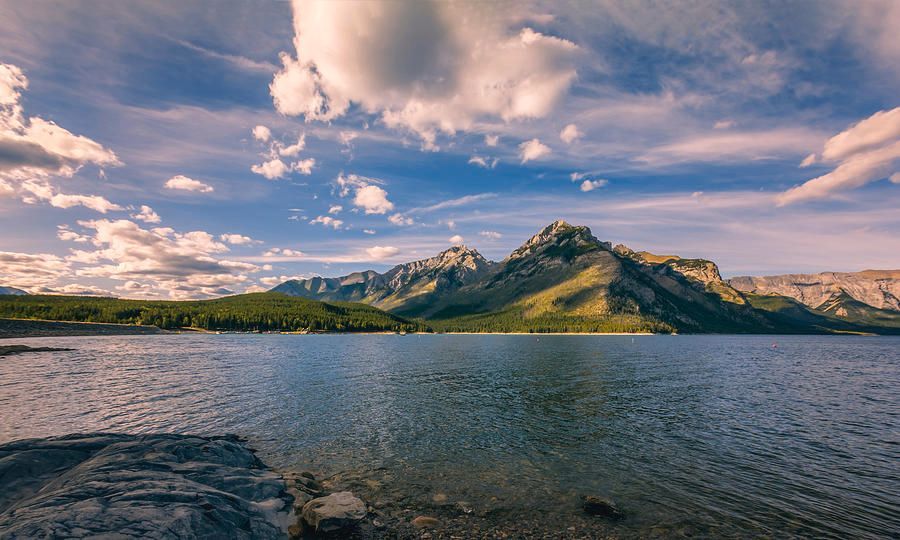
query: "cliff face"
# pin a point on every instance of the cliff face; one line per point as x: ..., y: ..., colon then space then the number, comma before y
x: 877, y: 288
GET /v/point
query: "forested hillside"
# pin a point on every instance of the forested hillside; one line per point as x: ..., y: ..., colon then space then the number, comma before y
x: 245, y: 312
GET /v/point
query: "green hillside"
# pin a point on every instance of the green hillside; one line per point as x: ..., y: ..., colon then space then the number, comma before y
x: 245, y: 312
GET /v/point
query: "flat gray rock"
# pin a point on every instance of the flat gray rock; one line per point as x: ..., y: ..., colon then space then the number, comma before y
x: 128, y: 486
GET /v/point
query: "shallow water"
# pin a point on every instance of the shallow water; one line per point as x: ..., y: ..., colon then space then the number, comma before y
x: 691, y: 435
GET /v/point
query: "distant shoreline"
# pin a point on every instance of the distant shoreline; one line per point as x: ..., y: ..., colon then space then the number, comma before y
x: 36, y: 328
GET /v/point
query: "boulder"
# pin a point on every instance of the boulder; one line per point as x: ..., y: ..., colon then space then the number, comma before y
x: 334, y: 512
x: 149, y: 486
x: 601, y: 506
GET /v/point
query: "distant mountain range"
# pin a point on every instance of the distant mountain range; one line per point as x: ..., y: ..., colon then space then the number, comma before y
x: 565, y: 279
x: 12, y: 291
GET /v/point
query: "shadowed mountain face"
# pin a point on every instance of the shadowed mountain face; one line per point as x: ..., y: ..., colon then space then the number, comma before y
x: 565, y: 279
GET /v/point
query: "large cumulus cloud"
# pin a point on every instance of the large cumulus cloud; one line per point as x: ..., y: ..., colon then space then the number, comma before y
x: 424, y: 66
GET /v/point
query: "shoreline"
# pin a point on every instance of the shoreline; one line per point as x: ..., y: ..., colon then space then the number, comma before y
x: 214, y: 486
x: 37, y: 328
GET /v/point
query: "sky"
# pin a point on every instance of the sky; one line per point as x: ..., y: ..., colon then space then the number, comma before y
x: 170, y: 149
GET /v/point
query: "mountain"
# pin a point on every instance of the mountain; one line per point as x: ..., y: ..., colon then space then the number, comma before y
x: 879, y: 289
x: 565, y: 279
x: 12, y: 291
x: 404, y: 288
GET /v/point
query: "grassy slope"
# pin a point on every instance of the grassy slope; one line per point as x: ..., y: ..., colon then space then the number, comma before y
x: 245, y: 312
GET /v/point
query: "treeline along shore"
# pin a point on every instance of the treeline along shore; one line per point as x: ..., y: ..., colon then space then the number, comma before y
x: 257, y: 312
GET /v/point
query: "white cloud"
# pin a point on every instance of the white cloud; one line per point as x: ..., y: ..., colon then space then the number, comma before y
x: 863, y: 153
x: 335, y: 209
x: 533, y: 149
x: 570, y: 133
x: 262, y: 133
x: 456, y: 239
x: 591, y: 185
x: 400, y: 220
x: 34, y: 151
x: 184, y: 183
x: 808, y: 160
x: 724, y: 124
x: 65, y: 233
x: 382, y: 252
x: 491, y: 235
x: 373, y: 200
x: 60, y: 200
x: 369, y: 231
x: 487, y: 163
x: 895, y: 178
x: 147, y: 215
x: 881, y: 128
x: 366, y: 193
x: 734, y: 146
x: 73, y: 289
x: 294, y: 149
x: 327, y: 221
x: 304, y: 166
x: 576, y: 176
x: 491, y: 140
x: 28, y: 270
x: 453, y: 203
x: 183, y: 264
x: 272, y: 169
x: 271, y: 281
x: 237, y: 239
x: 283, y: 253
x: 427, y: 67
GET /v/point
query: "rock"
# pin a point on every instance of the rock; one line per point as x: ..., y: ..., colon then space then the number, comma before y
x: 152, y: 486
x: 334, y: 512
x: 439, y: 498
x: 309, y: 485
x: 9, y: 350
x: 307, y: 474
x: 422, y: 522
x: 601, y: 506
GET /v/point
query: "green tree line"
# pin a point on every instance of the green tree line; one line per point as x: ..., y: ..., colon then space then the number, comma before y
x: 257, y: 312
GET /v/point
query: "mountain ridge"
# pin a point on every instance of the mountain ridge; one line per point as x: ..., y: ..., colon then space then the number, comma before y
x: 879, y: 289
x: 565, y: 279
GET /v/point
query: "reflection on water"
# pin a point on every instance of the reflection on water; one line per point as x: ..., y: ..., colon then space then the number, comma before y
x: 703, y: 435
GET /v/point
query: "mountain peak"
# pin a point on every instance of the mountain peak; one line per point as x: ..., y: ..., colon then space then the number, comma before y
x: 556, y: 234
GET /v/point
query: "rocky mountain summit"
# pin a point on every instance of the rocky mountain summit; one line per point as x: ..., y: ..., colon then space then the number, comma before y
x: 399, y: 288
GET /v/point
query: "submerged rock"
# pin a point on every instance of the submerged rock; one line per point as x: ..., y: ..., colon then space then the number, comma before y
x: 334, y: 512
x: 601, y: 506
x: 422, y: 522
x: 9, y: 350
x: 152, y: 486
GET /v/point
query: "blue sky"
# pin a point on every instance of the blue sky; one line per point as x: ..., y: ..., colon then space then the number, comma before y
x: 188, y: 150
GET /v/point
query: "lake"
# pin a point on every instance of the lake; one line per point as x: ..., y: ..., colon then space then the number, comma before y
x: 704, y: 436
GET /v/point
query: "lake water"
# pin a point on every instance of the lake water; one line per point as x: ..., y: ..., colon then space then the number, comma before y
x: 706, y: 436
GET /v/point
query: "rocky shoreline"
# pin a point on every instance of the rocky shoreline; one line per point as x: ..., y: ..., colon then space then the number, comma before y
x: 182, y: 486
